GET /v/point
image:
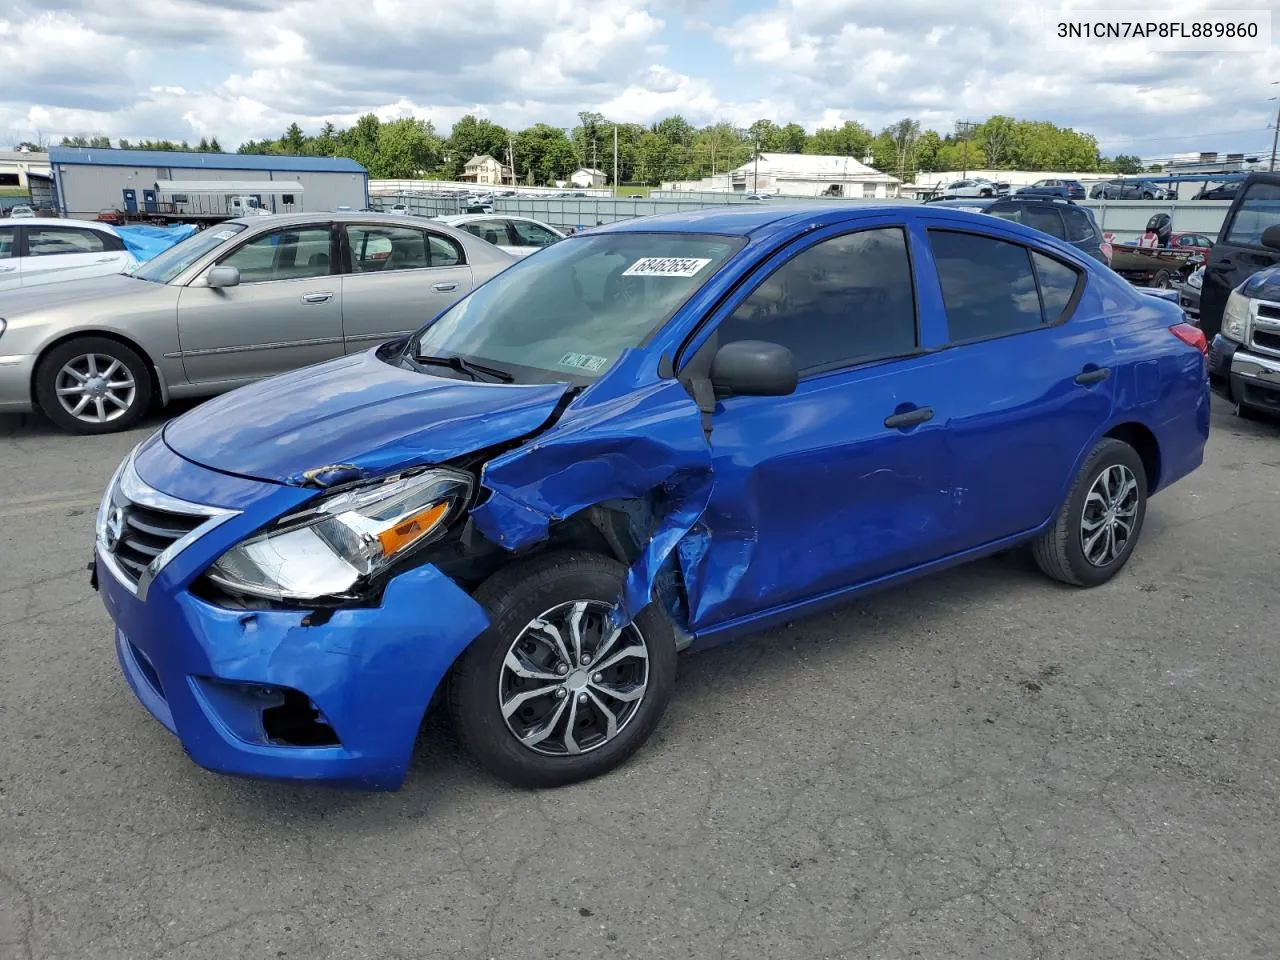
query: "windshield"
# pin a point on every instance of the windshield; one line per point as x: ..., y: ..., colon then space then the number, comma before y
x: 572, y: 309
x: 166, y: 266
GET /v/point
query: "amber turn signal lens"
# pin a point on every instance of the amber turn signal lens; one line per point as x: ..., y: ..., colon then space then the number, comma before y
x: 411, y: 529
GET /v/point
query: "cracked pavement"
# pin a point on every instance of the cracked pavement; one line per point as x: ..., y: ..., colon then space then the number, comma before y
x: 983, y: 764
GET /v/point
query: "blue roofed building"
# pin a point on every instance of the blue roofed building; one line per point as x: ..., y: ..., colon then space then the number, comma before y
x: 195, y: 186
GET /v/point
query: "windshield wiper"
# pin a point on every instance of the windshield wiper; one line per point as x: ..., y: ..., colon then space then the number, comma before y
x: 476, y: 371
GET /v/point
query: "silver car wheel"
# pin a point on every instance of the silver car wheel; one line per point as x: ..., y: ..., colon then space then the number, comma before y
x: 95, y: 388
x: 1110, y: 511
x: 571, y: 681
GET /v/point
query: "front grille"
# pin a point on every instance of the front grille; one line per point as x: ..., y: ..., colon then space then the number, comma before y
x: 1266, y: 327
x: 146, y: 533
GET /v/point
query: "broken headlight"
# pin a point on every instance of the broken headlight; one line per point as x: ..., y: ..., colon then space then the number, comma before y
x: 339, y: 543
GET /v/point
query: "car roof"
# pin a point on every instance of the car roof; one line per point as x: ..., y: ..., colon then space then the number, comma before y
x: 454, y: 219
x: 64, y: 222
x: 742, y: 220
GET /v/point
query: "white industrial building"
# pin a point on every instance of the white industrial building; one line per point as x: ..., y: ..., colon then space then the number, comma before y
x: 585, y: 178
x: 88, y: 180
x: 798, y: 175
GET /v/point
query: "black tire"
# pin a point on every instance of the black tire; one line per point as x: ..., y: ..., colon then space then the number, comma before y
x: 1059, y: 551
x: 515, y: 596
x: 49, y: 374
x: 1161, y: 280
x: 1147, y: 195
x: 986, y: 193
x: 1247, y: 413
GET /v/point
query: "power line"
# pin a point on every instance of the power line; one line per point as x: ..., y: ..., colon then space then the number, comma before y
x: 1197, y: 136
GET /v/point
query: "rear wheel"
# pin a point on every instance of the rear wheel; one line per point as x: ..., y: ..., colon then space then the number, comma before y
x: 552, y: 693
x: 1161, y: 280
x: 93, y: 385
x: 1098, y: 524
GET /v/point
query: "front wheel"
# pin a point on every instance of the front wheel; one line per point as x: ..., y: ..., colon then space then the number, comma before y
x: 1161, y: 280
x: 1098, y: 524
x: 552, y: 693
x: 93, y: 385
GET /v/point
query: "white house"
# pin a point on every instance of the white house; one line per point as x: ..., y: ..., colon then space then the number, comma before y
x: 799, y: 175
x: 485, y: 169
x: 586, y: 178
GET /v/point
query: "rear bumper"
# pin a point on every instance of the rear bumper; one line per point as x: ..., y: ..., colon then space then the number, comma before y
x: 15, y: 382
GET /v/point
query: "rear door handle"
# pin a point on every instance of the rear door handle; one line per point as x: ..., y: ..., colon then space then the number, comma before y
x: 7, y: 269
x: 444, y: 286
x: 105, y: 260
x: 909, y: 419
x: 1097, y: 375
x: 317, y: 297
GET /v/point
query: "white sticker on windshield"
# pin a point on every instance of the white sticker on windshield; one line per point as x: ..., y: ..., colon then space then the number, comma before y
x: 666, y: 267
x: 224, y: 235
x: 584, y: 361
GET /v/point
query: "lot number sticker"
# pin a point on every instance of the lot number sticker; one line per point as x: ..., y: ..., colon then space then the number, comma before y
x: 666, y: 267
x: 583, y: 361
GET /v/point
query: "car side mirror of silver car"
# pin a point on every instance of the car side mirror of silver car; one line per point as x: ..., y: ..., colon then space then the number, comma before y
x: 1271, y: 237
x: 753, y: 368
x: 224, y: 277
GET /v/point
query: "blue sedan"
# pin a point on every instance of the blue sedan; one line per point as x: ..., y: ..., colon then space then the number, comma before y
x: 655, y: 436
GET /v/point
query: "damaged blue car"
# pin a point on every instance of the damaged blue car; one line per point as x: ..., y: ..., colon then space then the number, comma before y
x: 651, y: 437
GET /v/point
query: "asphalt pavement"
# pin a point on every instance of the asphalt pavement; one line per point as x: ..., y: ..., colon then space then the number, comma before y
x: 981, y: 765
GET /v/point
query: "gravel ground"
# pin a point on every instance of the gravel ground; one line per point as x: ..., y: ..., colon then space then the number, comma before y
x: 983, y: 765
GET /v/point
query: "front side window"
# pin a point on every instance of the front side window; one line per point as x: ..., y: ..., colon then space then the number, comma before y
x: 490, y: 231
x: 1259, y: 209
x: 571, y: 310
x: 843, y: 301
x: 294, y: 253
x: 988, y: 287
x: 7, y: 236
x: 532, y: 234
x: 52, y: 241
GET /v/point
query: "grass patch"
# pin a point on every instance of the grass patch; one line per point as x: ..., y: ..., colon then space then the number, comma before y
x: 625, y: 191
x: 13, y: 191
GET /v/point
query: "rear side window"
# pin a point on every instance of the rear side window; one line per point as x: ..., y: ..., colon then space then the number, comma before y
x: 1079, y: 226
x: 989, y: 286
x: 1038, y: 216
x: 1259, y: 209
x: 51, y: 241
x: 842, y: 301
x: 7, y: 235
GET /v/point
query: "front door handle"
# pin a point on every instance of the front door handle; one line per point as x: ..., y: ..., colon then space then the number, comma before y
x: 7, y: 269
x: 444, y: 286
x: 317, y: 297
x: 910, y: 418
x: 104, y: 260
x: 1096, y: 375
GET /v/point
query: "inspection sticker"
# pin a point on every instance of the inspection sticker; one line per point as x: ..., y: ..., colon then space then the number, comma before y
x: 224, y: 235
x: 583, y: 361
x: 665, y: 267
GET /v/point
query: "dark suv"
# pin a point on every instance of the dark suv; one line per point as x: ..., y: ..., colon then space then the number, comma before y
x: 1053, y: 215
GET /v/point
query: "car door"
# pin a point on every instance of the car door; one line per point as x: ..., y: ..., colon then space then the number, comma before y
x: 844, y: 480
x: 10, y: 262
x: 396, y: 278
x: 1238, y: 252
x: 56, y: 253
x: 1024, y: 382
x: 286, y: 311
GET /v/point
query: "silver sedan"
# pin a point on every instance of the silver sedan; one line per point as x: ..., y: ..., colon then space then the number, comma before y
x: 241, y: 300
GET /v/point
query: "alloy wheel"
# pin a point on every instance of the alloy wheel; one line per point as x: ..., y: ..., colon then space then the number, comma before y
x: 572, y: 681
x: 95, y: 388
x: 1110, y: 512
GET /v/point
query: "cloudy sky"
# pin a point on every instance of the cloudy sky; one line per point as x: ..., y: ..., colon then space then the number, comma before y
x: 237, y: 69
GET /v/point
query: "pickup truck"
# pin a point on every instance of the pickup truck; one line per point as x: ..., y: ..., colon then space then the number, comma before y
x: 1240, y: 251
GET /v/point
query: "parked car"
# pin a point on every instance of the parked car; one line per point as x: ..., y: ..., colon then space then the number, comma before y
x: 654, y: 436
x: 245, y: 299
x: 1198, y: 242
x: 518, y: 236
x: 1244, y: 360
x: 1071, y: 189
x: 1239, y: 251
x: 21, y: 211
x: 1189, y: 294
x: 972, y: 187
x: 1052, y: 215
x: 400, y: 208
x: 1128, y: 190
x: 41, y: 251
x: 1226, y: 191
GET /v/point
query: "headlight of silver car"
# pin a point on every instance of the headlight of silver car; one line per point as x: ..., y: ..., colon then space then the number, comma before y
x: 1235, y: 318
x: 333, y: 546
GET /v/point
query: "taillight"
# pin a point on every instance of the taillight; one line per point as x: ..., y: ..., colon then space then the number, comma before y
x: 1191, y: 335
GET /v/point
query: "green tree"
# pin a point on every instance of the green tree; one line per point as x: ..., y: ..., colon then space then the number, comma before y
x: 1123, y: 163
x: 998, y: 138
x: 851, y: 139
x: 407, y: 148
x: 473, y: 137
x: 203, y: 145
x: 544, y: 154
x: 927, y: 148
x: 293, y: 141
x: 589, y: 138
x: 903, y: 136
x: 214, y: 145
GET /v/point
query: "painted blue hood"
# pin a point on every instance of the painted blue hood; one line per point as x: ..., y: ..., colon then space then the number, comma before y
x: 1263, y: 285
x: 355, y: 410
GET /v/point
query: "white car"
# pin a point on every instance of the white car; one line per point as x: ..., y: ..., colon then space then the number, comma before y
x: 518, y: 236
x: 41, y: 250
x: 974, y: 187
x: 21, y: 212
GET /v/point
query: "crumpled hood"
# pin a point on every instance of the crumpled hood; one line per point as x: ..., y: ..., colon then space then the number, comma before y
x: 355, y: 410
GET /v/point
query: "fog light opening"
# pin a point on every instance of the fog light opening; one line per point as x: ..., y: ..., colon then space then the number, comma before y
x: 297, y: 723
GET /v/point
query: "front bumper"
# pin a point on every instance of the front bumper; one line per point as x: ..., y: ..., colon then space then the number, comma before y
x: 16, y: 371
x: 209, y: 674
x: 1249, y: 379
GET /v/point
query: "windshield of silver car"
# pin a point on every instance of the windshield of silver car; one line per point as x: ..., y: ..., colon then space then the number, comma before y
x: 166, y: 266
x: 571, y: 309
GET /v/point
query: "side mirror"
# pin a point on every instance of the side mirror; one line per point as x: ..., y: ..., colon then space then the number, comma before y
x: 753, y: 368
x: 224, y: 277
x: 1271, y: 237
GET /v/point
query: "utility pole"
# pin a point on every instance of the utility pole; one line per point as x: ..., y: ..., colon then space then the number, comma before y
x: 615, y: 161
x: 1275, y: 136
x: 755, y: 173
x: 511, y: 156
